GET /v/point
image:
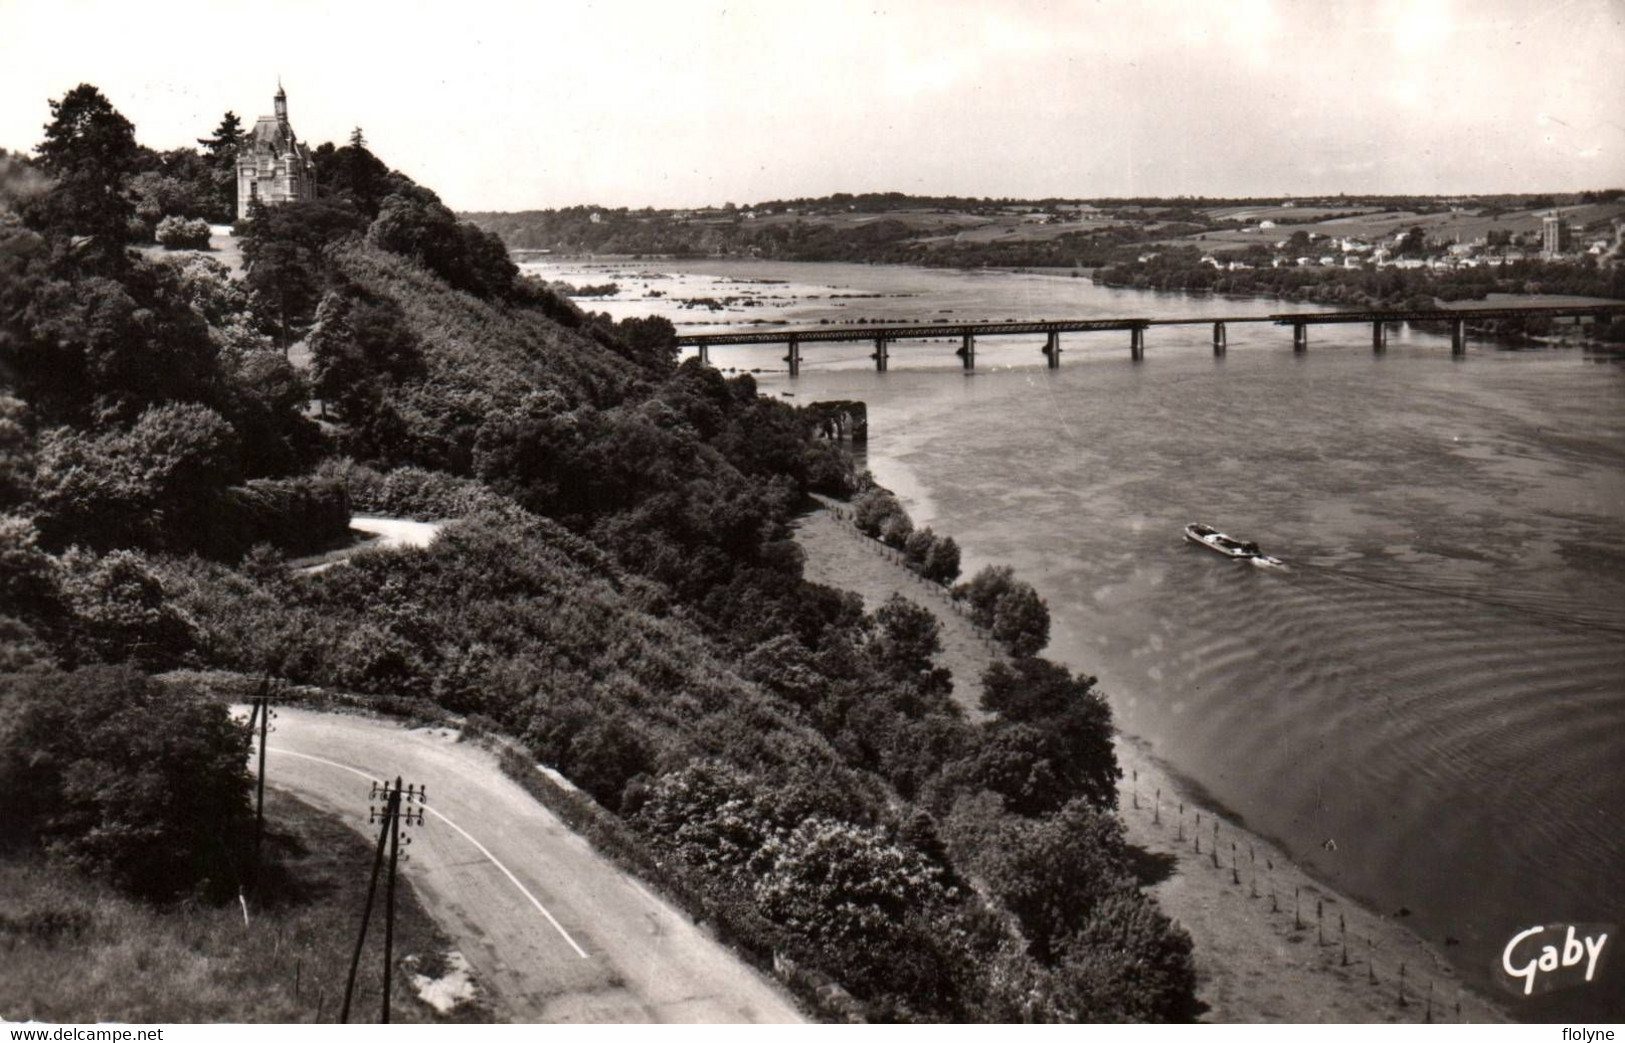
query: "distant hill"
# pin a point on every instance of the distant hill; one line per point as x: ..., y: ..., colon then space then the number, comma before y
x: 959, y: 232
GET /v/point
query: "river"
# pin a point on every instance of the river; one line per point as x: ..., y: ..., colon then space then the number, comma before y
x: 1427, y: 707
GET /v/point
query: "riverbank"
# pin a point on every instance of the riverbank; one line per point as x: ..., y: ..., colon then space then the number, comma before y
x: 1258, y: 959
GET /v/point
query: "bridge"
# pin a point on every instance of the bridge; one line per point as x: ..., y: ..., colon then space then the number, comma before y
x: 968, y: 332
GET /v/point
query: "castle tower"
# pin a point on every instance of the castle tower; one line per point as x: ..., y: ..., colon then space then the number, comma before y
x: 273, y: 166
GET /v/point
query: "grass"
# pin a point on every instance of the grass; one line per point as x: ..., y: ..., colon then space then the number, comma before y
x: 75, y: 950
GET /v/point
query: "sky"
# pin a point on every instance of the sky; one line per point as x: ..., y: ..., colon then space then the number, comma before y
x: 512, y: 106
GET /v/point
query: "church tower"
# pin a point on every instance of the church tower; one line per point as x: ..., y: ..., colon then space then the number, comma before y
x: 273, y: 166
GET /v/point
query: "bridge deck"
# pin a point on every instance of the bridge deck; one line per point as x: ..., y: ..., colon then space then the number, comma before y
x: 915, y: 331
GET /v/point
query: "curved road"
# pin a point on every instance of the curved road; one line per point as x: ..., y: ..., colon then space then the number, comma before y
x: 554, y: 931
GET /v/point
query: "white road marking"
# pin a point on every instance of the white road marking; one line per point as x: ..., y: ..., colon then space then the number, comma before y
x: 466, y: 836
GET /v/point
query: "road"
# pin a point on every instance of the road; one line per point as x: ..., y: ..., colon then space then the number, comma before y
x: 554, y: 931
x: 396, y: 532
x: 382, y: 533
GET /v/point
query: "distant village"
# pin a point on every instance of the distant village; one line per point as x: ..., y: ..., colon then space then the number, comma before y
x: 1558, y: 240
x: 1404, y: 232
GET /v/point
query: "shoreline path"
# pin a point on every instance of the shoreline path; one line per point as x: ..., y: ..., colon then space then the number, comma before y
x: 1254, y: 963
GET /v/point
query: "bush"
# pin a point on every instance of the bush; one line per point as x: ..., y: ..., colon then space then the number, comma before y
x: 412, y: 492
x: 917, y: 548
x: 1053, y: 872
x: 297, y: 515
x: 29, y: 578
x: 151, y: 486
x: 1008, y: 607
x: 1127, y: 963
x: 121, y: 613
x: 113, y: 774
x: 183, y: 233
x: 856, y: 900
x: 872, y: 510
x: 984, y: 589
x: 896, y: 531
x: 1021, y: 620
x: 942, y: 564
x: 932, y: 556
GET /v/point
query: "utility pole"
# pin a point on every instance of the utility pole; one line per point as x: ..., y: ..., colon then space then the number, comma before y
x: 399, y: 802
x: 389, y: 897
x: 261, y: 716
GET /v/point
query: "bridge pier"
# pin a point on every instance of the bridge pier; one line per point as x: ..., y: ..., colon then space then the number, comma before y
x: 1136, y: 343
x: 880, y: 355
x: 1221, y: 341
x: 1458, y: 337
x: 705, y: 353
x: 1300, y: 338
x: 1052, y: 349
x: 1379, y: 338
x: 794, y: 358
x: 967, y: 351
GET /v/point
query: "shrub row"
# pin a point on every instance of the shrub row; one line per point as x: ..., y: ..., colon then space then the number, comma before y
x: 879, y: 514
x: 296, y: 515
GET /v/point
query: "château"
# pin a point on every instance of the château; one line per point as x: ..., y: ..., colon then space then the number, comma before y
x: 273, y: 166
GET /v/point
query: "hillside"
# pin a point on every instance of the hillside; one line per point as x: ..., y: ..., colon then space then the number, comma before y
x: 954, y: 232
x: 614, y: 591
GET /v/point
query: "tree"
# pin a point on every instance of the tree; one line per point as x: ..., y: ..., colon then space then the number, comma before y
x: 16, y: 453
x: 1413, y: 243
x: 153, y: 485
x: 221, y: 146
x: 604, y: 756
x: 287, y: 270
x: 1021, y: 621
x: 1069, y: 712
x: 917, y: 548
x: 984, y: 589
x: 652, y: 342
x: 873, y: 509
x: 1052, y: 872
x: 30, y: 579
x: 709, y: 813
x: 896, y: 531
x: 1126, y: 963
x: 1009, y: 607
x: 1024, y: 765
x: 89, y: 149
x: 121, y: 613
x: 858, y: 901
x: 354, y: 174
x: 359, y: 347
x: 906, y: 641
x: 125, y: 779
x: 942, y: 564
x: 414, y: 223
x: 220, y: 150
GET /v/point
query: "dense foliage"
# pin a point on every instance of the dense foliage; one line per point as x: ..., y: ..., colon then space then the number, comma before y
x: 121, y: 778
x: 615, y: 587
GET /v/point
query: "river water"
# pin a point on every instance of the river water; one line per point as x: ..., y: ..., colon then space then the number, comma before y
x: 1427, y: 707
